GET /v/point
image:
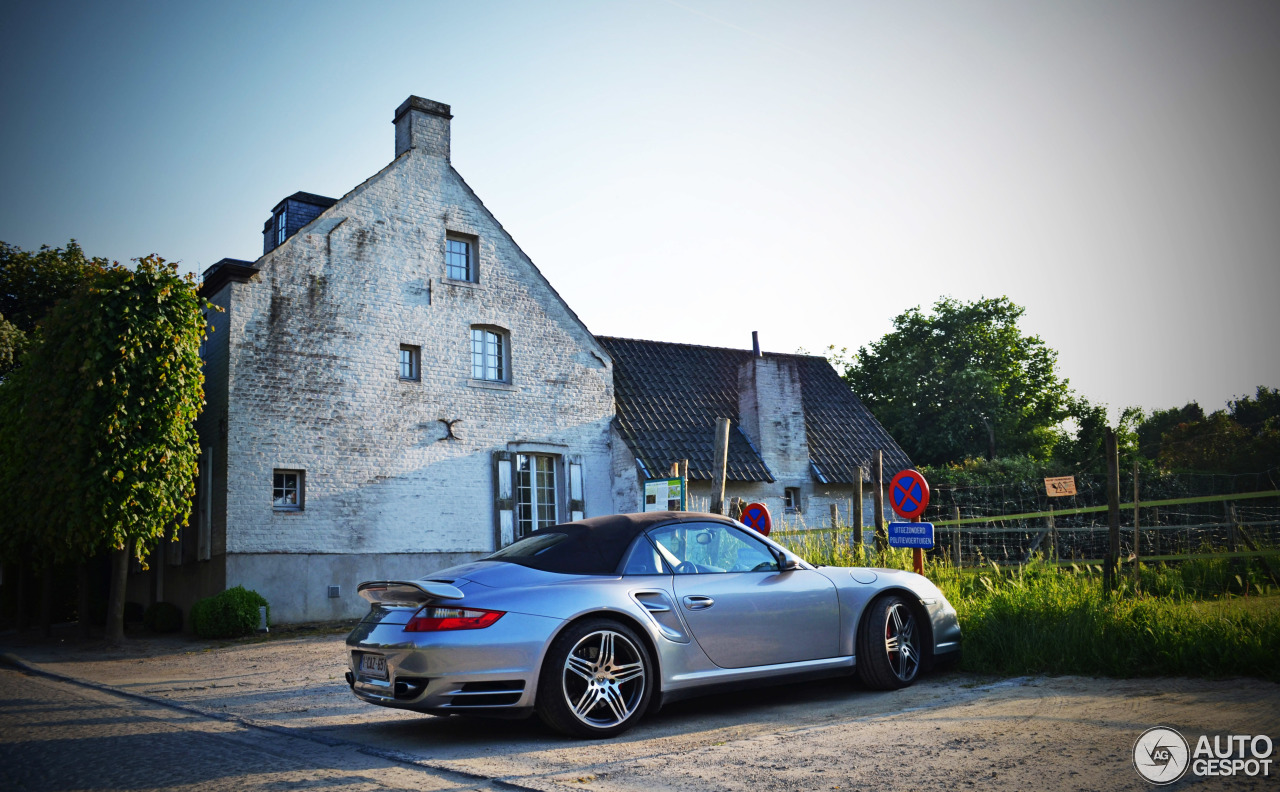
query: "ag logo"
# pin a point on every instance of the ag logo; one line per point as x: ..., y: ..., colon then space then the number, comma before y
x: 1160, y: 755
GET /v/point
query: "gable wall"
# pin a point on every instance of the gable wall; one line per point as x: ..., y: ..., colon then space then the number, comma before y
x: 315, y: 381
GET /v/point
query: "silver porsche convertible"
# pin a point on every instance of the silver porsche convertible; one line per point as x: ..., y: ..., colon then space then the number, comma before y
x: 594, y: 623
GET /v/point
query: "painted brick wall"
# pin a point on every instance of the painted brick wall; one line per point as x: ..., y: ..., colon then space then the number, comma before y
x: 314, y: 375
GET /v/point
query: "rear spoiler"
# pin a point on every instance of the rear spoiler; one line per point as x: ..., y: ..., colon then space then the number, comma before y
x: 406, y: 592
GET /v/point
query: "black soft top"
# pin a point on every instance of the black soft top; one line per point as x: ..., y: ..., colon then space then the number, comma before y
x: 593, y: 546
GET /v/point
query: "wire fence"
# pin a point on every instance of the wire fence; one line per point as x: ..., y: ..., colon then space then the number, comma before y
x: 1177, y: 516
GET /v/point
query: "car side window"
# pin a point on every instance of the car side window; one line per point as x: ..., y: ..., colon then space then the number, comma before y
x: 701, y: 548
x: 643, y: 559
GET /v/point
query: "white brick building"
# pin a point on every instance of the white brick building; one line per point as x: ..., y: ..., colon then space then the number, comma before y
x: 393, y: 387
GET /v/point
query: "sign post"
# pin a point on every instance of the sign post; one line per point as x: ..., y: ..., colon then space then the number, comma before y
x: 909, y: 496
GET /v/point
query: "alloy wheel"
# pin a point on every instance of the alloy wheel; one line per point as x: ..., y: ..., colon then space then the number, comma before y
x: 603, y: 679
x: 900, y: 642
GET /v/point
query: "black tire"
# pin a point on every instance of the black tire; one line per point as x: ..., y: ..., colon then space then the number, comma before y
x: 889, y: 622
x: 605, y: 690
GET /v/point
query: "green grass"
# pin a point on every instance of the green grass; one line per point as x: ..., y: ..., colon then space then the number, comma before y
x: 1201, y: 617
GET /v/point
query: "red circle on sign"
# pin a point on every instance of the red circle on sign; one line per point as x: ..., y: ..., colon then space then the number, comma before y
x: 756, y: 517
x: 909, y: 494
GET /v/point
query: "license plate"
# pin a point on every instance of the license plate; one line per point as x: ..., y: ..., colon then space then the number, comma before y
x: 373, y: 665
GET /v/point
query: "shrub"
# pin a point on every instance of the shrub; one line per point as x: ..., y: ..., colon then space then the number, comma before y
x: 163, y: 617
x: 231, y: 614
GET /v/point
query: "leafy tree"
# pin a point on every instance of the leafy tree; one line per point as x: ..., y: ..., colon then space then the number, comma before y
x: 12, y: 340
x: 1085, y: 451
x: 1254, y: 414
x: 1154, y: 427
x: 963, y: 382
x: 32, y: 282
x: 1244, y: 438
x: 97, y: 429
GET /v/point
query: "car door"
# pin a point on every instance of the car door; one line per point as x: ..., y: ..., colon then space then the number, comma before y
x: 741, y: 610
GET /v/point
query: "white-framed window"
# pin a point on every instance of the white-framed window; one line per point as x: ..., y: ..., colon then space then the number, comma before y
x: 287, y: 490
x: 410, y: 362
x: 490, y: 354
x: 460, y: 258
x: 791, y: 500
x: 535, y: 493
x: 282, y: 223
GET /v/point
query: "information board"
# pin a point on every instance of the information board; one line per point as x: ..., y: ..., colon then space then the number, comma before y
x: 663, y: 495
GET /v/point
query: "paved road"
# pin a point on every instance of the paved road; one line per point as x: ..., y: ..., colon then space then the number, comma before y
x: 59, y: 736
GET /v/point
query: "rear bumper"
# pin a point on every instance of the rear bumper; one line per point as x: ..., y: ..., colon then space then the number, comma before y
x: 492, y: 671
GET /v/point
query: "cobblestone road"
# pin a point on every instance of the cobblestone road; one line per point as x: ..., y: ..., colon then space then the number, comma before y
x: 174, y: 713
x: 60, y: 736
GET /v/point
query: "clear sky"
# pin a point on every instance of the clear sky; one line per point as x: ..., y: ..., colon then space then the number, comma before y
x: 693, y: 170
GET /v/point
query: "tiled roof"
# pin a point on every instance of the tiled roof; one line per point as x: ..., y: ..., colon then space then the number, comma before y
x: 670, y: 395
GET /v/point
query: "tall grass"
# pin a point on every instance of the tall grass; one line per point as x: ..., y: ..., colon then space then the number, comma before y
x: 1203, y: 617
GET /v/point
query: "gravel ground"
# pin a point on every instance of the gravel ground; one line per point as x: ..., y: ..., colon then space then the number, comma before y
x: 948, y: 732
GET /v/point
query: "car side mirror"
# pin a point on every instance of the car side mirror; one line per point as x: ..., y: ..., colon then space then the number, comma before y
x: 786, y: 563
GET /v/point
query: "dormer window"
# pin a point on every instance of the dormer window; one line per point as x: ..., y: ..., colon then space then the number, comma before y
x: 291, y: 215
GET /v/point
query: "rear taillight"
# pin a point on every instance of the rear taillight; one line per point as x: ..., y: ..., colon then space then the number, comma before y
x: 436, y: 619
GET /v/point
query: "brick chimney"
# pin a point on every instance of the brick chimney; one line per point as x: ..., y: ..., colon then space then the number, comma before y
x: 771, y: 413
x: 424, y: 125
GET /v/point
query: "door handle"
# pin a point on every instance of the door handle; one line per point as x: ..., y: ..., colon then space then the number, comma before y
x: 698, y: 602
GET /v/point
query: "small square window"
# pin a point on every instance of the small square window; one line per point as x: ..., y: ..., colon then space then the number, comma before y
x: 791, y: 500
x: 410, y: 362
x: 287, y: 490
x: 460, y: 258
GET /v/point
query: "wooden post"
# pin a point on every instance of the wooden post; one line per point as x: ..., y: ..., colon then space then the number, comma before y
x: 1137, y: 578
x: 877, y: 497
x: 116, y: 596
x: 684, y: 482
x: 855, y: 514
x: 1156, y: 537
x: 1111, y: 567
x: 720, y: 452
x: 955, y: 540
x: 835, y: 520
x: 1053, y: 534
x: 1231, y: 526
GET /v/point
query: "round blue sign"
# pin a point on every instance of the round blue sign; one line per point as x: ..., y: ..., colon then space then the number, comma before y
x: 756, y: 517
x: 909, y: 494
